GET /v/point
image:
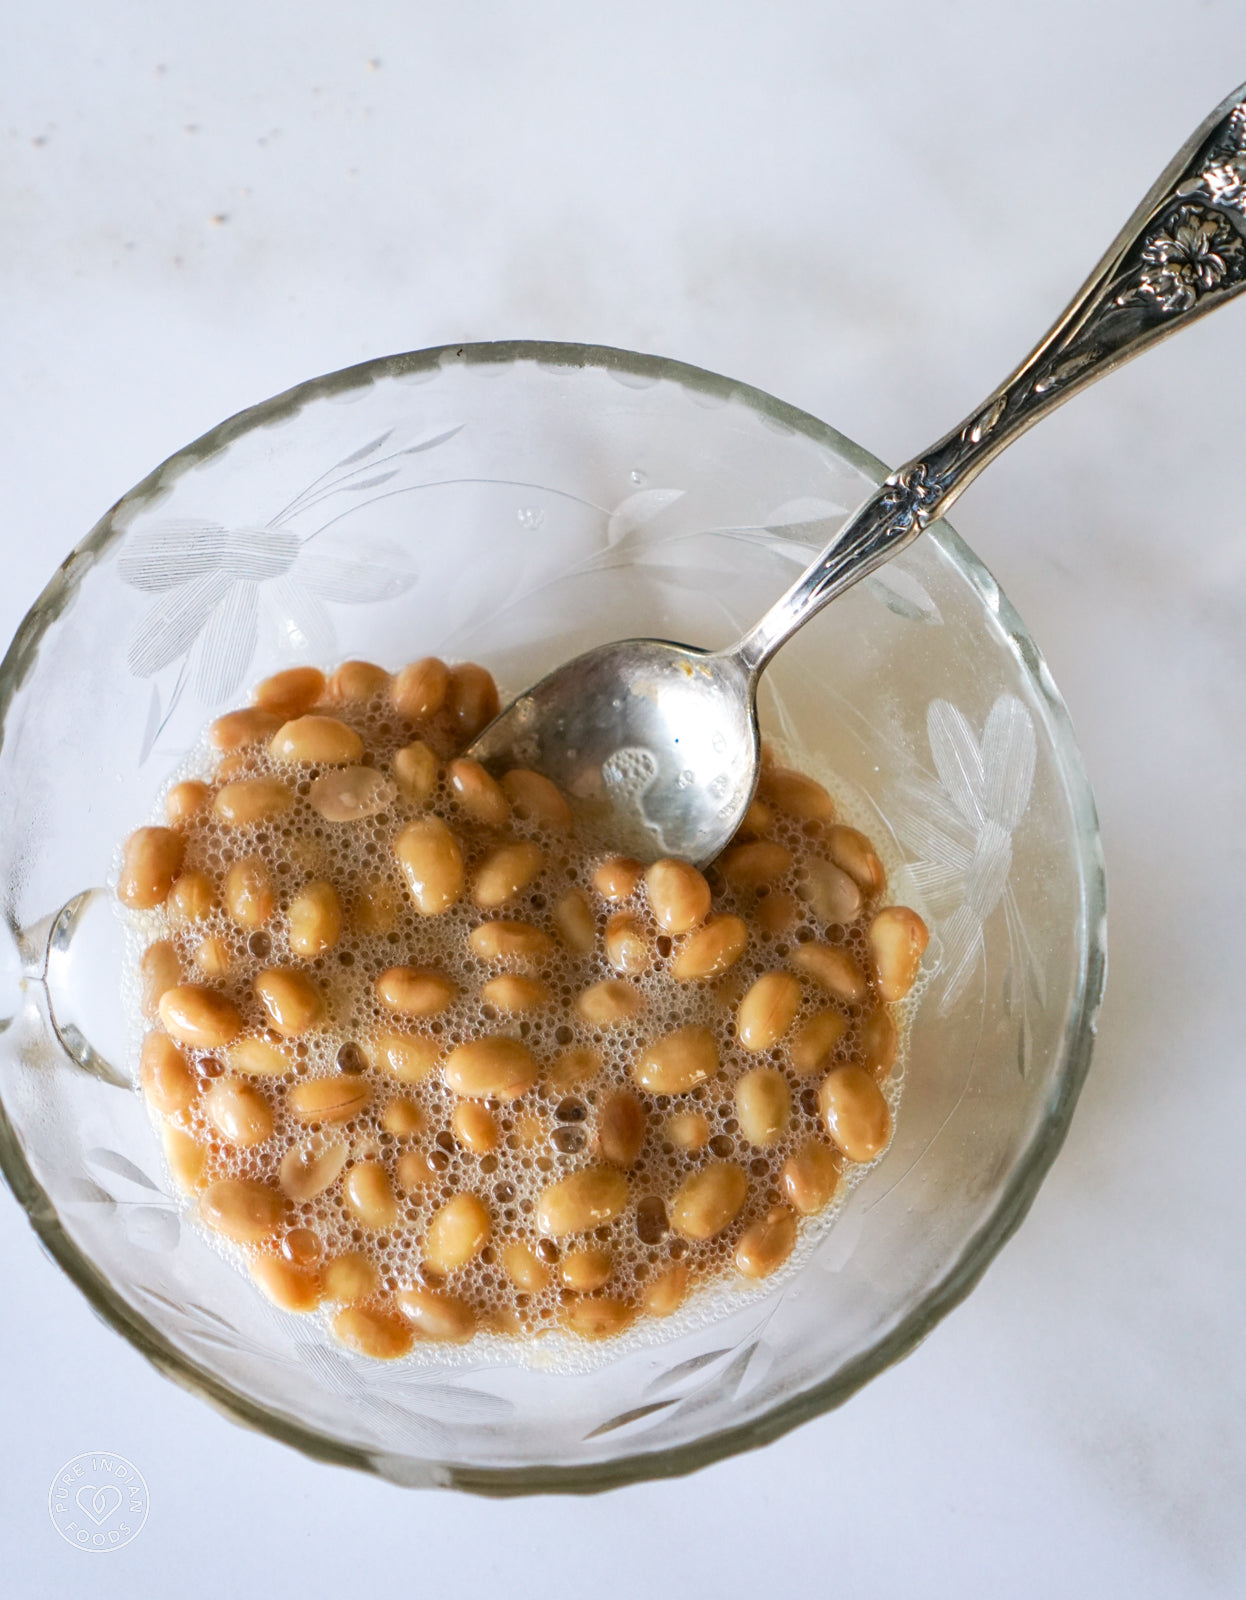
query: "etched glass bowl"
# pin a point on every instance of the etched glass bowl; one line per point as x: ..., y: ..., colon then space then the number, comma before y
x: 518, y: 503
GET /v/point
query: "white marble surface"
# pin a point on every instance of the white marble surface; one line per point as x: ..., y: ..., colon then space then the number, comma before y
x: 869, y: 210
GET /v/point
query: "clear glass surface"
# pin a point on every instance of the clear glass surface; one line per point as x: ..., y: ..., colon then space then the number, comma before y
x: 517, y: 504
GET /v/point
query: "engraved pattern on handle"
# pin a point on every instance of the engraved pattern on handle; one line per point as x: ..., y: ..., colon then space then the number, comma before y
x: 1181, y: 254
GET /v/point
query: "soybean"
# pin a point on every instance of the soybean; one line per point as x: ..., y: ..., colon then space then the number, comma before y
x: 678, y: 1061
x: 291, y: 1287
x: 351, y: 794
x: 627, y: 948
x: 199, y: 1017
x: 292, y: 692
x: 233, y: 767
x: 375, y: 906
x: 776, y: 911
x: 816, y: 1040
x: 251, y: 801
x: 620, y: 1128
x: 755, y: 866
x: 495, y: 1067
x: 458, y: 1232
x: 678, y: 895
x: 688, y: 1130
x: 618, y: 877
x: 419, y: 691
x: 710, y: 950
x: 375, y: 1331
x: 185, y: 800
x: 248, y: 893
x: 664, y: 1293
x: 851, y: 851
x: 764, y: 1246
x: 213, y: 958
x: 369, y: 1196
x: 573, y: 1067
x: 292, y: 1001
x: 597, y: 1318
x: 477, y: 793
x: 767, y: 1011
x: 242, y: 1209
x: 505, y: 871
x: 159, y: 971
x: 610, y: 1003
x: 258, y: 1057
x: 518, y: 942
x: 474, y: 1127
x: 757, y: 823
x: 406, y: 1056
x: 762, y: 1104
x: 238, y: 729
x: 585, y: 1200
x: 471, y: 699
x: 308, y: 1170
x: 187, y: 1158
x: 880, y: 1042
x: 315, y: 918
x: 586, y: 1269
x: 432, y: 864
x: 356, y: 681
x: 524, y: 1267
x: 898, y: 939
x: 168, y: 1082
x: 856, y: 1115
x: 708, y: 1201
x: 350, y: 1276
x: 402, y: 1118
x: 415, y: 992
x: 833, y: 968
x: 191, y: 898
x: 832, y: 894
x: 413, y: 1170
x: 800, y: 796
x: 328, y: 1099
x: 515, y: 993
x: 323, y: 741
x: 535, y: 799
x: 239, y: 1112
x: 437, y: 1316
x: 575, y: 922
x: 810, y: 1177
x: 415, y: 772
x: 150, y: 862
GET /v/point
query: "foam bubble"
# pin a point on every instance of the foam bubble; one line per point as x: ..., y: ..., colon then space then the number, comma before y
x: 534, y: 1146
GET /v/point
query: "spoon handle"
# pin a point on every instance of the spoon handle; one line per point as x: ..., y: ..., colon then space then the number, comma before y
x: 1181, y: 254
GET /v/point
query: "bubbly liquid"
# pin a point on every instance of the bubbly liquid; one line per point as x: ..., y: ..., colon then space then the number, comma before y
x: 549, y: 1131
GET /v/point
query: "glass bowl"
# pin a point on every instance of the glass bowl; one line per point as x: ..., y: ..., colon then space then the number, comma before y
x: 518, y: 503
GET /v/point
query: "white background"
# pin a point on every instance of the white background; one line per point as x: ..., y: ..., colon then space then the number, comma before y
x: 870, y: 210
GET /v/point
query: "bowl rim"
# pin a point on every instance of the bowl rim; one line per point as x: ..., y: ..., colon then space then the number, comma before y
x: 977, y: 1251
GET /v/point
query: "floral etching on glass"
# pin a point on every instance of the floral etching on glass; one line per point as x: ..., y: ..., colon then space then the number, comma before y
x: 956, y: 829
x: 213, y: 587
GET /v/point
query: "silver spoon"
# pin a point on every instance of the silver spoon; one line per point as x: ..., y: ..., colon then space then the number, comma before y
x: 657, y: 743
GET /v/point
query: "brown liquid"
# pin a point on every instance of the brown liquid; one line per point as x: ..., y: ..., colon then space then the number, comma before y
x: 549, y: 1131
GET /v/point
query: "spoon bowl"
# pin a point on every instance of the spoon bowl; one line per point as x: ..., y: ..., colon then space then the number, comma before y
x: 656, y: 745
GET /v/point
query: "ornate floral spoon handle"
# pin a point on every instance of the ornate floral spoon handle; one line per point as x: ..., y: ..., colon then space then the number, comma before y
x: 1181, y: 254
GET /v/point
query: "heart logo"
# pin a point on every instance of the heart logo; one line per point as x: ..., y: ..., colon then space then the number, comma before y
x: 98, y: 1503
